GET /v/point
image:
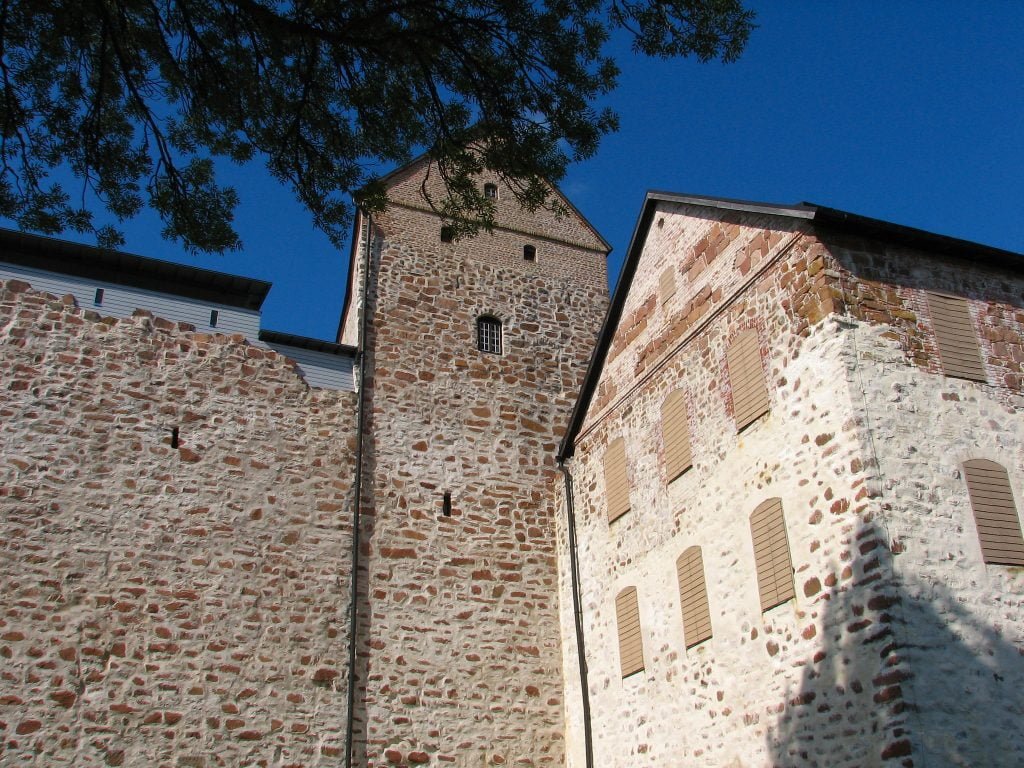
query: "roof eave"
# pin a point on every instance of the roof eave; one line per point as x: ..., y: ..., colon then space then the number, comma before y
x: 567, y: 446
x: 305, y: 342
x: 877, y: 229
x: 121, y: 268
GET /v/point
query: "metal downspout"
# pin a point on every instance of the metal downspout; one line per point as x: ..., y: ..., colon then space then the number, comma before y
x: 357, y: 484
x: 574, y: 568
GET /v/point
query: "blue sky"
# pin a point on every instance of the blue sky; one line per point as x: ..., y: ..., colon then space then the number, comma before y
x: 908, y: 111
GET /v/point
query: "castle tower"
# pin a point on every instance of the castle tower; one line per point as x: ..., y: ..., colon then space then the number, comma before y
x: 475, y: 350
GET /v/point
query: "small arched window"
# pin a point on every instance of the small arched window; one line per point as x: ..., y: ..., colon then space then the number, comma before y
x: 995, y: 513
x: 631, y: 645
x: 616, y: 482
x: 693, y: 597
x: 746, y: 376
x: 488, y: 334
x: 771, y: 554
x: 491, y: 191
x: 529, y: 253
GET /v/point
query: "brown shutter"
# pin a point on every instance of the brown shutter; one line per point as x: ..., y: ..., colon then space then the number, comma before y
x: 616, y: 487
x: 675, y: 430
x: 994, y: 512
x: 667, y: 284
x: 749, y: 395
x: 955, y: 337
x: 631, y: 646
x: 771, y: 554
x: 693, y: 597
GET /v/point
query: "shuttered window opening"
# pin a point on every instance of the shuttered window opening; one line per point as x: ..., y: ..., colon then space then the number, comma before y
x: 994, y: 512
x: 631, y: 646
x: 675, y: 430
x: 616, y: 487
x: 955, y: 337
x: 749, y: 394
x: 667, y: 284
x: 693, y: 597
x: 771, y: 554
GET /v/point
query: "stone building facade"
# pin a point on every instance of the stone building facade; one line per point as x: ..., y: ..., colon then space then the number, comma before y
x: 458, y: 629
x: 762, y: 538
x: 888, y: 637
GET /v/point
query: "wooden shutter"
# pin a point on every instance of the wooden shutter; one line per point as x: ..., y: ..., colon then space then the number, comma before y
x: 994, y: 512
x: 631, y: 646
x: 771, y: 554
x: 675, y: 431
x: 749, y: 394
x: 616, y: 487
x: 667, y: 284
x: 693, y: 597
x: 955, y: 337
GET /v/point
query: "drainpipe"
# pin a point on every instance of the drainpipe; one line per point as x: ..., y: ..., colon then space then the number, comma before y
x: 581, y: 651
x: 357, y: 487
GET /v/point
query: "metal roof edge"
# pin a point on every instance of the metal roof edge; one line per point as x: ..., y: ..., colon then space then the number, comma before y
x: 305, y: 342
x: 566, y: 447
x: 67, y: 257
x: 798, y: 210
x: 833, y: 218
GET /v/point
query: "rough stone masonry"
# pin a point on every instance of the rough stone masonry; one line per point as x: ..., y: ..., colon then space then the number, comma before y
x: 167, y: 606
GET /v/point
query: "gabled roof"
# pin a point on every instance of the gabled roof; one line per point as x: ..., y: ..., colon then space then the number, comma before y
x: 396, y: 175
x: 50, y: 254
x: 820, y: 216
x: 426, y: 157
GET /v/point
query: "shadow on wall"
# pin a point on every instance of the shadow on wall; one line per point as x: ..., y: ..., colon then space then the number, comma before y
x: 906, y: 674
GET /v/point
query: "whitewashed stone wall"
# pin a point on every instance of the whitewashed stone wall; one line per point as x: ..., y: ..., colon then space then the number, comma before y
x: 739, y: 698
x: 959, y: 622
x: 901, y: 647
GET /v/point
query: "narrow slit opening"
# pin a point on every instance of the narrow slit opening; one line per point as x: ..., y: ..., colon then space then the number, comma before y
x: 446, y: 504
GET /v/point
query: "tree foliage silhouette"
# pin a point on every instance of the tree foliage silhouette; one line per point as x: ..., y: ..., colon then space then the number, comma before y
x: 139, y: 98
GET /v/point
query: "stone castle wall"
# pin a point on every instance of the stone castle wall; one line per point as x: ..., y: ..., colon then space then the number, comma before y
x: 167, y: 606
x: 901, y: 646
x: 188, y: 605
x: 958, y: 621
x: 459, y: 628
x: 753, y: 694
